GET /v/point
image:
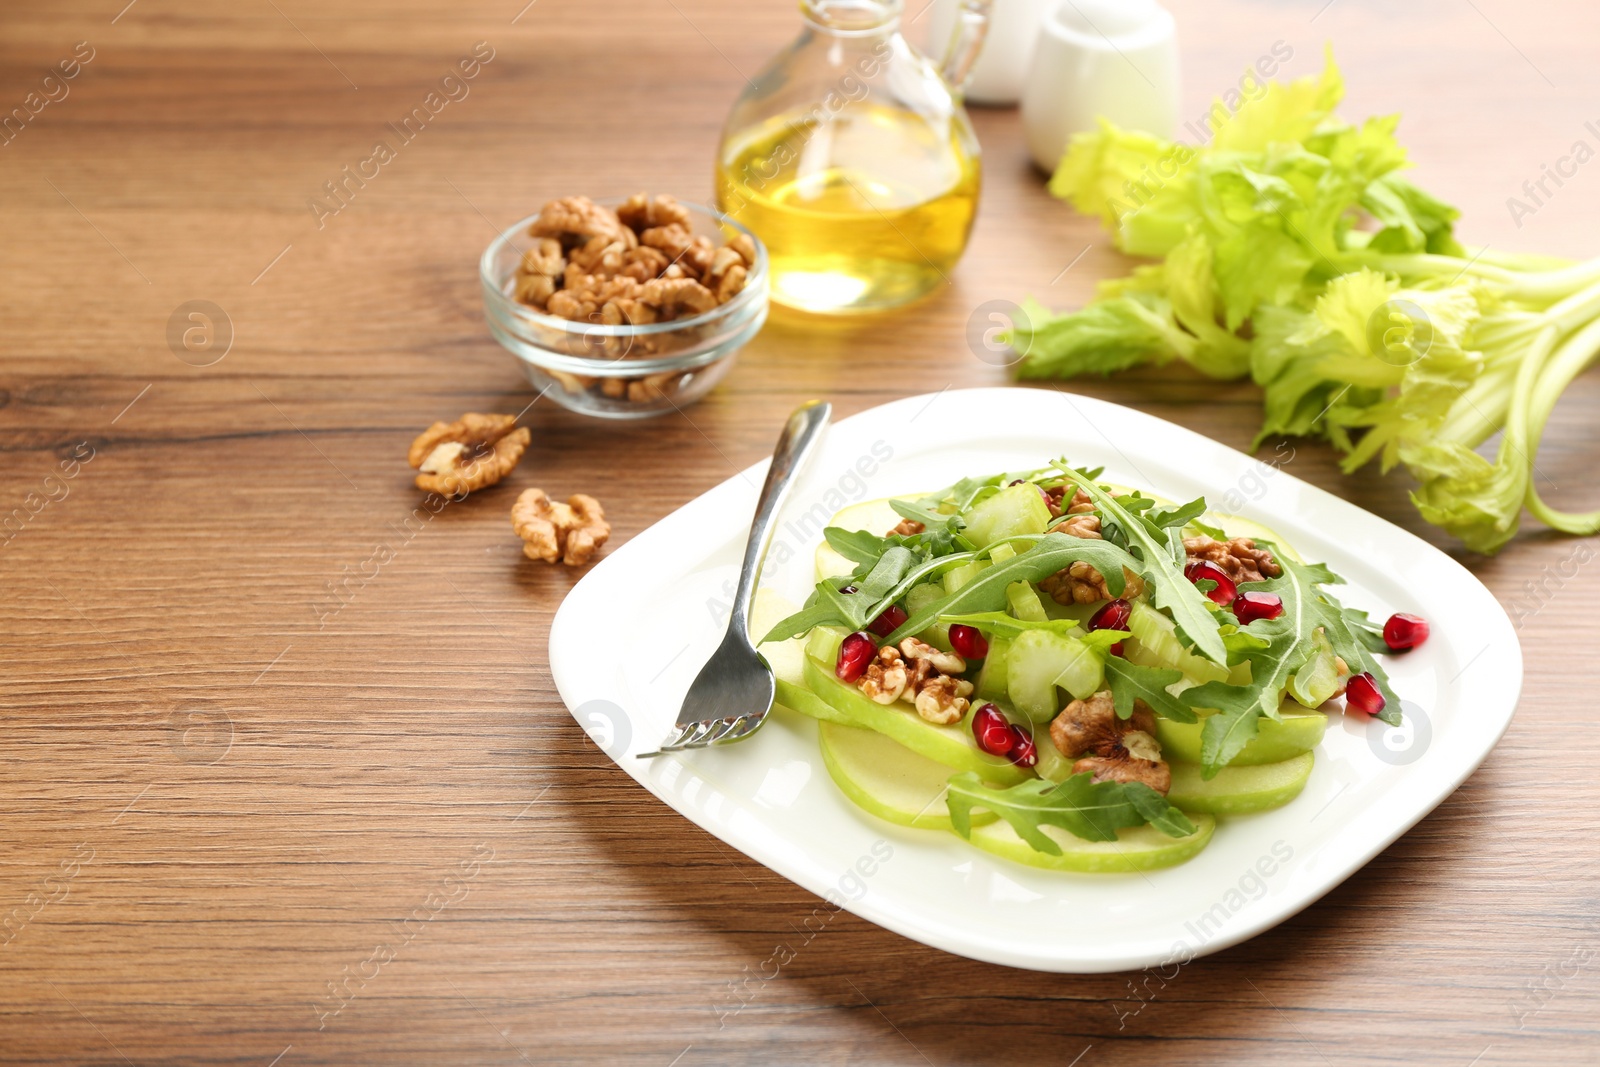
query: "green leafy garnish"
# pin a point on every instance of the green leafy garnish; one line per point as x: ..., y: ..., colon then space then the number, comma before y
x: 1169, y: 589
x: 1291, y: 249
x: 999, y: 624
x: 1282, y: 646
x: 1079, y: 805
x: 1130, y: 682
x: 857, y: 546
x: 987, y: 592
x: 879, y: 583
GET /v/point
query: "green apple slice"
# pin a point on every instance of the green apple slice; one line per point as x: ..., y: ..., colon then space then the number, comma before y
x: 887, y: 779
x: 799, y: 698
x: 786, y: 658
x: 951, y: 745
x: 1239, y: 790
x: 1275, y: 741
x: 1137, y: 848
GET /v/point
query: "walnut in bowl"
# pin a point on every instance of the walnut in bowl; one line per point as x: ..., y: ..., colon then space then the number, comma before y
x: 624, y: 308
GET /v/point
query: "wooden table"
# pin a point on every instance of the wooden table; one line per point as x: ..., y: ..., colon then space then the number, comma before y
x: 220, y: 813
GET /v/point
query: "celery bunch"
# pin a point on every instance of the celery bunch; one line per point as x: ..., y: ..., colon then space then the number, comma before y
x: 1293, y: 250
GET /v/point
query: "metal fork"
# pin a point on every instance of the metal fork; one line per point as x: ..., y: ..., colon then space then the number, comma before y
x: 731, y: 696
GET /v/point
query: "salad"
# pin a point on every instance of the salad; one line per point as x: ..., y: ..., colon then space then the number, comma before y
x: 1069, y: 674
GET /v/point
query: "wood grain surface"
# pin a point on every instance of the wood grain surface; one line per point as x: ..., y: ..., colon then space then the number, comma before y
x: 236, y: 832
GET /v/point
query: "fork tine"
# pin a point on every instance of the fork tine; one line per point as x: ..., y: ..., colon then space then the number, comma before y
x: 684, y: 734
x: 745, y: 726
x: 708, y: 732
x: 720, y: 730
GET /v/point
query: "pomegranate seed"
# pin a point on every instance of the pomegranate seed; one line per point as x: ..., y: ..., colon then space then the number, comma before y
x: 968, y: 642
x: 1404, y: 631
x: 847, y: 590
x: 1361, y: 693
x: 857, y: 651
x: 1248, y: 607
x: 889, y: 621
x: 1022, y: 753
x: 991, y: 730
x: 1113, y: 616
x: 1225, y: 590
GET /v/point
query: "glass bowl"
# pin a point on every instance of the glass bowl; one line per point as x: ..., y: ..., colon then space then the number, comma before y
x: 622, y: 372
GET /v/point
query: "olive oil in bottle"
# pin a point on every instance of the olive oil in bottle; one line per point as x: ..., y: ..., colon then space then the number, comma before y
x: 851, y: 157
x: 866, y: 210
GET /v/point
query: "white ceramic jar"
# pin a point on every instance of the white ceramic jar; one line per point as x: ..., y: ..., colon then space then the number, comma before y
x: 1111, y: 58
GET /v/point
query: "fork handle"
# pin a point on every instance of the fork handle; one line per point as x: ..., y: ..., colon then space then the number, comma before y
x: 799, y: 439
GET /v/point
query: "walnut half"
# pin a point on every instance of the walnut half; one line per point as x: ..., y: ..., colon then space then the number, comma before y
x: 921, y: 675
x: 570, y: 533
x: 1239, y: 557
x: 1115, y: 750
x: 475, y: 451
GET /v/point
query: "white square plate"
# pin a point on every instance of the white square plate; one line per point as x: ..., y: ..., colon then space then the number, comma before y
x: 632, y: 635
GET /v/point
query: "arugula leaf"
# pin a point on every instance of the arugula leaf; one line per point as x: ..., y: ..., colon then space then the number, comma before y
x: 1169, y: 589
x: 1282, y: 646
x: 815, y: 613
x: 1240, y: 642
x: 1361, y: 627
x: 1227, y: 732
x: 878, y: 583
x: 968, y: 491
x: 917, y: 513
x: 1289, y: 641
x: 1356, y: 649
x: 1157, y: 811
x: 1177, y: 515
x: 941, y: 533
x: 1130, y: 682
x: 864, y: 604
x: 1000, y: 624
x: 987, y: 592
x: 1078, y: 805
x: 857, y: 546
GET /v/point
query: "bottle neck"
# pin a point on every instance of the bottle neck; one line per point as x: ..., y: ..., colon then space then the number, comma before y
x: 852, y: 18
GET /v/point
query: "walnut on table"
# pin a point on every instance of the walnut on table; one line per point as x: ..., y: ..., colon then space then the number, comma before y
x: 474, y: 452
x: 551, y: 531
